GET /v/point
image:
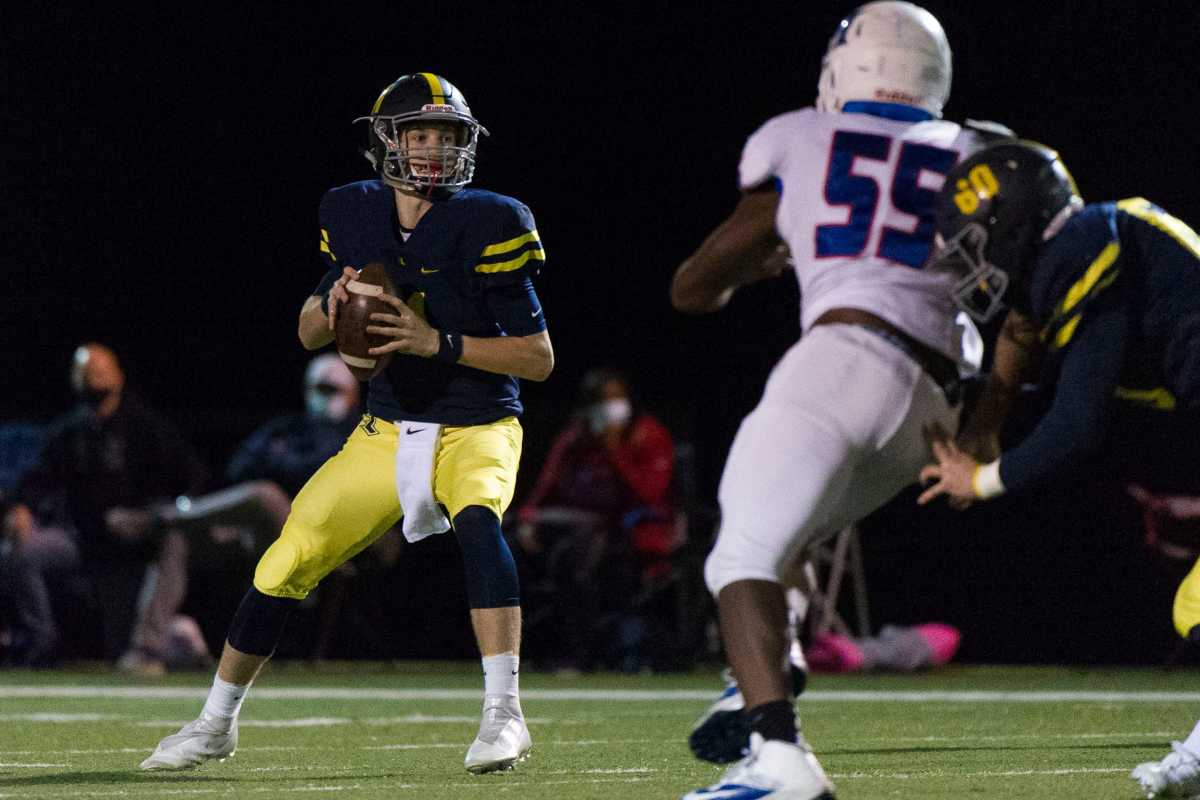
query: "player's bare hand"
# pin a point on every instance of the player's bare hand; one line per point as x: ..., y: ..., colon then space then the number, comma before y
x: 408, y: 332
x: 338, y: 293
x: 952, y: 476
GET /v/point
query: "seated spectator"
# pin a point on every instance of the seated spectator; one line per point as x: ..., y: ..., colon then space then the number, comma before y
x: 600, y: 513
x: 274, y: 461
x: 88, y: 504
x: 265, y: 473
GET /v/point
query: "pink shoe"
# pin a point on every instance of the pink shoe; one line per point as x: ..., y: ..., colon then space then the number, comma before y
x: 942, y: 639
x: 832, y: 652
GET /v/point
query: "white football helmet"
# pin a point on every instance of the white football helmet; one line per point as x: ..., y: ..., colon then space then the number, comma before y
x: 886, y: 52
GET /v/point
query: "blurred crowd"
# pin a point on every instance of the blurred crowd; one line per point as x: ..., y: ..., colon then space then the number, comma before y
x: 110, y: 518
x: 113, y: 528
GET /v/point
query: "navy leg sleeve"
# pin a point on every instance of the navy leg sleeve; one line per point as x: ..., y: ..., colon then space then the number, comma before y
x: 491, y: 571
x: 259, y: 622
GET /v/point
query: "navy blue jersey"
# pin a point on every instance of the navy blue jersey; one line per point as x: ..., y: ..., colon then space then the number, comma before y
x: 1117, y: 293
x: 466, y: 268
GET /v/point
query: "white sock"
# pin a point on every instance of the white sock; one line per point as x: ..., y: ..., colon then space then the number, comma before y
x: 500, y: 674
x: 1193, y: 741
x: 225, y: 699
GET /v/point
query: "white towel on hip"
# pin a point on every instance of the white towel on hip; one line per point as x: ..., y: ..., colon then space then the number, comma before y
x: 414, y: 479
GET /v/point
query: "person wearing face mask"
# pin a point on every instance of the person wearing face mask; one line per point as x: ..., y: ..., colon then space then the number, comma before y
x: 600, y: 514
x: 107, y: 466
x: 267, y: 470
x: 288, y: 449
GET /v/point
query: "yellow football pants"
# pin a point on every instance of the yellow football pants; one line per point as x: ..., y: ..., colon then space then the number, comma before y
x: 351, y: 500
x: 1187, y: 602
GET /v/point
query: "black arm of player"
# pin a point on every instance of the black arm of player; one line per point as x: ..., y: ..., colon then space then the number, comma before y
x: 1075, y: 425
x: 735, y: 254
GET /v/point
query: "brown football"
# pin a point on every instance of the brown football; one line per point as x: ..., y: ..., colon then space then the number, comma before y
x: 353, y: 317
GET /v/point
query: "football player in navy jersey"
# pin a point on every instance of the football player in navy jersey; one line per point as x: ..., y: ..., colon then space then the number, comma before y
x: 1106, y: 295
x: 439, y: 446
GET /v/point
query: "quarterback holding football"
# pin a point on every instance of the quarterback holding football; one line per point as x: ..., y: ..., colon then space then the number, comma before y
x: 439, y: 446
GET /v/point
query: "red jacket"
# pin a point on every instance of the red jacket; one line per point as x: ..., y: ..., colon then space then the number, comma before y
x: 630, y: 480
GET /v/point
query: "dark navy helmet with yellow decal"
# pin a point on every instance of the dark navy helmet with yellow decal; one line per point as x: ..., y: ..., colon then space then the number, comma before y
x: 406, y: 158
x: 993, y: 214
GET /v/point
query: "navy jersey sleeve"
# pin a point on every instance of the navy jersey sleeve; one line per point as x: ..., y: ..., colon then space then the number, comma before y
x: 511, y: 249
x: 510, y: 255
x: 328, y: 219
x: 1088, y: 332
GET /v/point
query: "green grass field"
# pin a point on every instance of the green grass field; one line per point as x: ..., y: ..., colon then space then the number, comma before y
x: 370, y: 731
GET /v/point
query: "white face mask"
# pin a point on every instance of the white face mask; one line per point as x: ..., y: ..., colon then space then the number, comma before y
x: 609, y: 412
x: 329, y: 407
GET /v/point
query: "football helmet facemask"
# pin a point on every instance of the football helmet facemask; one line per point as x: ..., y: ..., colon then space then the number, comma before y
x: 994, y: 212
x: 886, y: 52
x: 435, y: 169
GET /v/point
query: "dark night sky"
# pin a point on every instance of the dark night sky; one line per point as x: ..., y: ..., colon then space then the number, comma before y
x: 162, y: 172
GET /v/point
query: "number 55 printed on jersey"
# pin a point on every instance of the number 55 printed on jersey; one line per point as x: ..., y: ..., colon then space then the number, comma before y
x: 861, y: 193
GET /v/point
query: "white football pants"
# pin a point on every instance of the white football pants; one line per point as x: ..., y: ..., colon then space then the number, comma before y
x: 838, y: 432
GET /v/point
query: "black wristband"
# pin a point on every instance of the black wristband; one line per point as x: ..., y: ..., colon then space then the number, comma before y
x: 450, y: 346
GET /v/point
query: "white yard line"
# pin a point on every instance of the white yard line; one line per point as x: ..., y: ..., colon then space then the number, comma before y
x: 1008, y: 773
x: 595, y: 695
x: 490, y: 787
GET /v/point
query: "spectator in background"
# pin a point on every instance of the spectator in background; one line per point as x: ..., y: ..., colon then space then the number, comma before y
x: 89, y: 503
x: 269, y: 468
x: 601, y: 510
x: 288, y: 449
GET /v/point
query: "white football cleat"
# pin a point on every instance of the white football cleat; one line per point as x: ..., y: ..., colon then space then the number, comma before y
x: 773, y: 770
x: 201, y: 740
x: 1177, y: 775
x: 503, y: 739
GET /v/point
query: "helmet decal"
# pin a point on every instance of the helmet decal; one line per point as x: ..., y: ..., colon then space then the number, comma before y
x: 994, y: 212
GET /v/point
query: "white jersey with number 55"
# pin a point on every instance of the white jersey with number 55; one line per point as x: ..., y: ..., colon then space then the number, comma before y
x: 856, y: 207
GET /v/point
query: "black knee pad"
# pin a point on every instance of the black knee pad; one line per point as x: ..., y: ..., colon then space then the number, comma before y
x: 490, y: 569
x: 259, y: 622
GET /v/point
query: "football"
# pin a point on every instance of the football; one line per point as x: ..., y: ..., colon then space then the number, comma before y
x: 353, y: 317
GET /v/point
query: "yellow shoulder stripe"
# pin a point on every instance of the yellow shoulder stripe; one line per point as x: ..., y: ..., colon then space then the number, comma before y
x: 1082, y: 287
x: 1067, y: 329
x: 325, y: 244
x: 1159, y: 397
x: 1066, y: 332
x: 510, y: 244
x: 1176, y: 228
x: 516, y: 263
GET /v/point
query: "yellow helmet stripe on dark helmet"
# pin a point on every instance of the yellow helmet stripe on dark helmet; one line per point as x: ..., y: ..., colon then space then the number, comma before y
x: 435, y: 88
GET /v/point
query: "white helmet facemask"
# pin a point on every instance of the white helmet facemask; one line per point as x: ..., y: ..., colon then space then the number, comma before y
x: 887, y: 52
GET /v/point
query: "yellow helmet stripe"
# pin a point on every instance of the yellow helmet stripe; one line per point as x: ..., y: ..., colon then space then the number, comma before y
x: 379, y: 100
x: 435, y: 87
